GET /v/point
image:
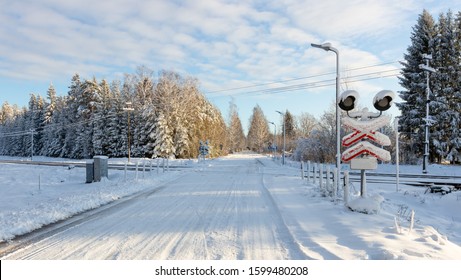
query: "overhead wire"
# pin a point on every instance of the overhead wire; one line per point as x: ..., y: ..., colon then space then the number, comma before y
x: 237, y: 91
x: 51, y: 126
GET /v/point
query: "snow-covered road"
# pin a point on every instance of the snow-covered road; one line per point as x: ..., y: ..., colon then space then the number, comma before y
x: 242, y: 206
x: 221, y: 211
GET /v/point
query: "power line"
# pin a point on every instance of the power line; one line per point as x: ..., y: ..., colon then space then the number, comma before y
x: 300, y: 78
x: 314, y: 84
x: 52, y: 126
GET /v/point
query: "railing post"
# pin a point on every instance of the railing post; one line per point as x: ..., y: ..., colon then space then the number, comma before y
x: 336, y: 183
x: 314, y: 175
x: 143, y: 168
x: 321, y: 176
x: 302, y: 170
x: 346, y: 188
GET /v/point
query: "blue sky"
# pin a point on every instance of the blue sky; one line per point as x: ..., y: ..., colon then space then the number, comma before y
x: 254, y: 52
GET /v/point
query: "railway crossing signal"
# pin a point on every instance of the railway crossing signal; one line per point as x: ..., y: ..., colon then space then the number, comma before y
x: 363, y: 154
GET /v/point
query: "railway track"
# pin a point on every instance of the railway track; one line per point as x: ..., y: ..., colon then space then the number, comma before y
x: 423, y: 180
x: 117, y: 166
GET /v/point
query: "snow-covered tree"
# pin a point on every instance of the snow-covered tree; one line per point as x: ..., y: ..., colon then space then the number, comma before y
x: 169, y: 118
x: 100, y: 119
x: 117, y: 123
x: 235, y: 131
x: 290, y: 131
x: 446, y: 104
x: 71, y: 122
x: 163, y: 145
x: 413, y: 80
x: 49, y: 127
x: 258, y: 132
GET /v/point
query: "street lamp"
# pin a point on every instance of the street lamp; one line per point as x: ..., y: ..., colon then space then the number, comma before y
x: 275, y: 139
x: 428, y: 70
x: 128, y: 109
x: 283, y: 152
x: 328, y: 47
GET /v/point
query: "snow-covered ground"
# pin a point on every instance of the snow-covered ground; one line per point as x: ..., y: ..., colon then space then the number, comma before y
x: 239, y: 207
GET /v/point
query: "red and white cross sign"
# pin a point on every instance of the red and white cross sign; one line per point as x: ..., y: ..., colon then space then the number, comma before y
x: 367, y: 148
x: 366, y: 129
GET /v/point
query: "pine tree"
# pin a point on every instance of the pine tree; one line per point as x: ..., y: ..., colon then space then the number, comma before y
x: 163, y: 145
x: 290, y: 131
x: 117, y: 123
x: 413, y: 80
x: 100, y: 120
x: 57, y: 129
x: 35, y: 116
x: 88, y: 100
x: 446, y: 88
x: 49, y: 127
x: 71, y: 121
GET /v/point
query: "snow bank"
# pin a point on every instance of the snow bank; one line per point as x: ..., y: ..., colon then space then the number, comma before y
x: 34, y: 196
x: 367, y: 205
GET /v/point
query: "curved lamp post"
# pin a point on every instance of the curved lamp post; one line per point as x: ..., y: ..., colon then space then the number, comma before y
x: 283, y: 152
x: 328, y: 47
x: 275, y: 139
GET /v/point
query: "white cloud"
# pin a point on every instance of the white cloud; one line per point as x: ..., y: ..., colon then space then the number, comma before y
x: 346, y: 20
x: 225, y: 44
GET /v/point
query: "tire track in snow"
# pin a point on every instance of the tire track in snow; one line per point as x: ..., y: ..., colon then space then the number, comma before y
x: 294, y: 249
x: 47, y: 231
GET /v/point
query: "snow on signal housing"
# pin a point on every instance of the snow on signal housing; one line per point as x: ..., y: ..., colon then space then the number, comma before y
x: 347, y: 100
x: 383, y: 100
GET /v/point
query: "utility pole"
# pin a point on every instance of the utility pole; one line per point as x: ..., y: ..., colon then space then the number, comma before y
x: 427, y: 69
x: 128, y: 109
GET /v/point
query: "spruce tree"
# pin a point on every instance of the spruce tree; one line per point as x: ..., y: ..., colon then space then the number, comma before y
x: 163, y: 145
x: 48, y: 122
x: 446, y: 88
x: 413, y: 80
x: 71, y: 122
